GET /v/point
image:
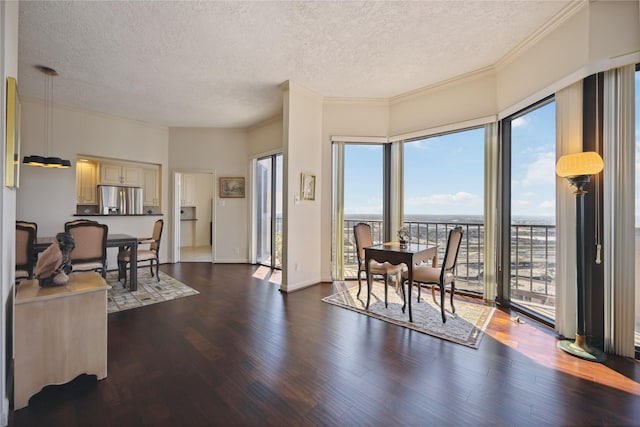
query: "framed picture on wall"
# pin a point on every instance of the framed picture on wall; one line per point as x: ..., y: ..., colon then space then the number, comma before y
x: 307, y: 186
x: 231, y: 187
x: 12, y: 147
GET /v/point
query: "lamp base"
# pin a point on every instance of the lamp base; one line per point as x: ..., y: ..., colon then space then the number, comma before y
x: 579, y: 348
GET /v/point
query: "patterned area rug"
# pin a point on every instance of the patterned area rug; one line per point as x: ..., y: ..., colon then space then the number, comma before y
x: 149, y: 291
x: 466, y: 326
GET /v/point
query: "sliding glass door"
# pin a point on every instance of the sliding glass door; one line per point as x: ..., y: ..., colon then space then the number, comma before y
x: 269, y: 211
x: 532, y: 198
x: 364, y: 197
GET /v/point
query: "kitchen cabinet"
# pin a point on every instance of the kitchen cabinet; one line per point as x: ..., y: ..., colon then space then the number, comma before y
x: 120, y: 174
x: 151, y: 186
x: 188, y: 193
x: 86, y: 181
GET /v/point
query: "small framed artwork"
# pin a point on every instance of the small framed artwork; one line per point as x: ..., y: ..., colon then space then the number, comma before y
x: 231, y: 186
x: 307, y: 186
x: 12, y: 147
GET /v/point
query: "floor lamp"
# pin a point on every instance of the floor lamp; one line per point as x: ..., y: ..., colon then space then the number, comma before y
x: 578, y: 169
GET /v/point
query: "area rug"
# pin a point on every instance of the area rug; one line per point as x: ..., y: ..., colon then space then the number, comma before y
x: 149, y: 291
x: 466, y: 326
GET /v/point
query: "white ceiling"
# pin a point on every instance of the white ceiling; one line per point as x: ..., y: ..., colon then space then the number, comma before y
x: 220, y: 64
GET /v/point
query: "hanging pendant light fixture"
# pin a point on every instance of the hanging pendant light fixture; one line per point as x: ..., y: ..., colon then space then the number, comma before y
x: 47, y: 160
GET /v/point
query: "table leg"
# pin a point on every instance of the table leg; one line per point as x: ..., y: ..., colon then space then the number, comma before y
x: 366, y: 266
x: 133, y: 265
x: 410, y: 288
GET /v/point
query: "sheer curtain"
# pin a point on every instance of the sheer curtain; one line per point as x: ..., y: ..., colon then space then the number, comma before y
x: 619, y: 196
x: 397, y: 185
x: 490, y: 210
x: 568, y: 141
x: 337, y: 202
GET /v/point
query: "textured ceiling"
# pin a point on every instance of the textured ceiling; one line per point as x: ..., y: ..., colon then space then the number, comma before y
x: 220, y: 64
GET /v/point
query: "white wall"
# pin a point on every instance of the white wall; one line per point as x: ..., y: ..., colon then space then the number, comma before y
x: 301, y: 233
x: 265, y: 137
x: 47, y: 196
x: 468, y: 98
x: 223, y: 151
x: 8, y: 67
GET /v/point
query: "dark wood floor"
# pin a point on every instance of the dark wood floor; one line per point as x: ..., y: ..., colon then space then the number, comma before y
x: 242, y: 353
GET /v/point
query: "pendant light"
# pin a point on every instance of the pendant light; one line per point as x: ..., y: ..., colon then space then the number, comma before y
x: 47, y: 161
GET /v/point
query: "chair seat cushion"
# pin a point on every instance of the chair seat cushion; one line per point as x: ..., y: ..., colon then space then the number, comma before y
x: 86, y: 266
x: 425, y: 274
x: 143, y: 255
x: 22, y: 274
x: 384, y: 268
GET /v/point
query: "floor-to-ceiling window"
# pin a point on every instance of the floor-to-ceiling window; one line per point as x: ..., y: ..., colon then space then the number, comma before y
x: 269, y: 211
x: 364, y: 195
x: 443, y: 188
x: 532, y: 207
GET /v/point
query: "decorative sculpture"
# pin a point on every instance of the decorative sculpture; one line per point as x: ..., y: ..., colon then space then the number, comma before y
x: 54, y: 265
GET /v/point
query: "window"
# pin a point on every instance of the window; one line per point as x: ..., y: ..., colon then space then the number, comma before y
x: 532, y: 207
x: 443, y: 188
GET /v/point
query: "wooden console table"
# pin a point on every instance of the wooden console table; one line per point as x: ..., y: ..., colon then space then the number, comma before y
x: 60, y: 333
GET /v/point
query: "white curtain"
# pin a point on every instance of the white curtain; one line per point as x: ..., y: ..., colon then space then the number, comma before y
x: 568, y: 141
x: 337, y: 223
x: 490, y: 210
x: 397, y: 185
x: 619, y: 197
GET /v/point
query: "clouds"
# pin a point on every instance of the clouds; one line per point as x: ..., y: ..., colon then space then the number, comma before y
x: 539, y: 172
x: 519, y: 122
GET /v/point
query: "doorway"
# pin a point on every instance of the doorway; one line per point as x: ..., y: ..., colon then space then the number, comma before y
x: 194, y: 231
x: 268, y: 239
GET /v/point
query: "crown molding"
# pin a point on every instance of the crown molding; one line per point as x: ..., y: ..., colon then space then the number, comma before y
x: 355, y: 101
x: 557, y: 20
x: 472, y: 75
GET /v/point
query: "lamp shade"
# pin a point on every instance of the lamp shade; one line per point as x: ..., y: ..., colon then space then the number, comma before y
x: 587, y: 163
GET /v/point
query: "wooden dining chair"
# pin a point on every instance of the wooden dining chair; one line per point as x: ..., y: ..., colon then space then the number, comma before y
x: 151, y: 254
x: 362, y: 234
x: 440, y: 276
x: 90, y: 252
x: 26, y: 235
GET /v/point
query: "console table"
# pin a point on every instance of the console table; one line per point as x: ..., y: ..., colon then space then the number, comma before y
x: 60, y: 333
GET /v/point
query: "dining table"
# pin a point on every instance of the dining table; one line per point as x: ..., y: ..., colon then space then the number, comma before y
x: 409, y: 254
x: 114, y: 240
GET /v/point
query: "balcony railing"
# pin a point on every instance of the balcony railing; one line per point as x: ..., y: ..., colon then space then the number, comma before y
x: 532, y: 257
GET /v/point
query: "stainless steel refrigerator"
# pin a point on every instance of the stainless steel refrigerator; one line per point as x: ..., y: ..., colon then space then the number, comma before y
x: 115, y: 200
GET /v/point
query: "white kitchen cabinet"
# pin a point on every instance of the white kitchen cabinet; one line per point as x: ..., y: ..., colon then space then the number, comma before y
x: 120, y: 174
x: 86, y: 181
x: 188, y: 193
x: 151, y: 186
